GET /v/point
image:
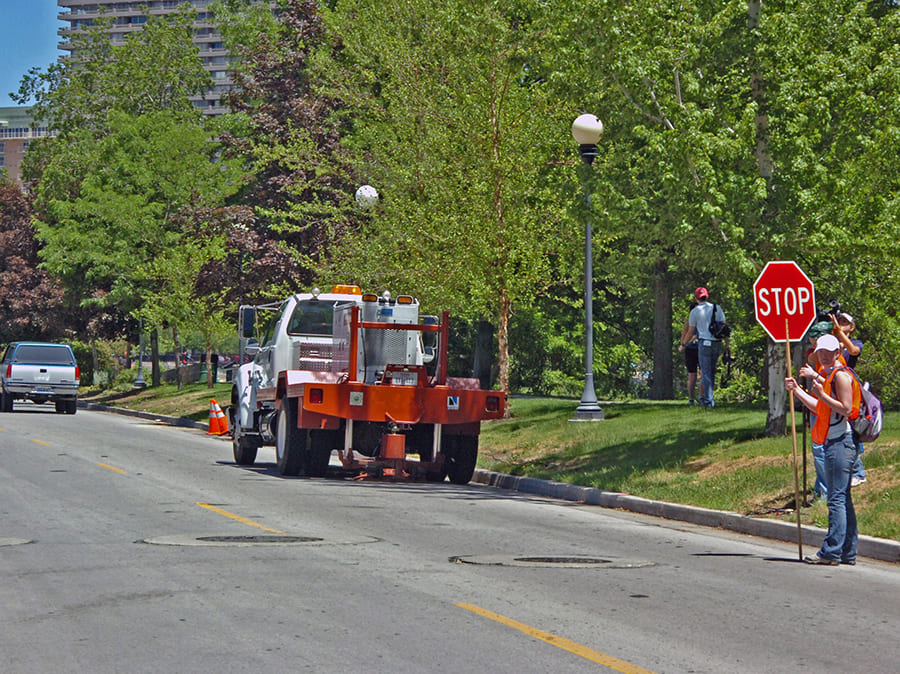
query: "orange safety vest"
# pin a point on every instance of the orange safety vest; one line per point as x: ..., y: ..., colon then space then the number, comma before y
x: 825, y: 416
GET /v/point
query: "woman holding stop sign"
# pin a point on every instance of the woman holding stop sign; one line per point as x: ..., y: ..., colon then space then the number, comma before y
x: 832, y: 401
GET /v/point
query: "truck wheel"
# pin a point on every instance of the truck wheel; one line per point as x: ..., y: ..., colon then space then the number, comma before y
x: 460, y: 455
x: 61, y: 406
x: 244, y: 450
x: 6, y: 402
x: 290, y: 441
x: 320, y: 445
x: 72, y: 406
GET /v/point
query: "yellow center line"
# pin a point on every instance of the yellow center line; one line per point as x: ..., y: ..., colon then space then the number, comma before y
x: 560, y: 642
x: 112, y: 468
x: 244, y: 520
x: 41, y: 442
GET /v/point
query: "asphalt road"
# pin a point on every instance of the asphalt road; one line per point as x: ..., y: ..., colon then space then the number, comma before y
x: 150, y: 551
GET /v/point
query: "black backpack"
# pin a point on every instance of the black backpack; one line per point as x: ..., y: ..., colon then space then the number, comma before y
x: 718, y: 329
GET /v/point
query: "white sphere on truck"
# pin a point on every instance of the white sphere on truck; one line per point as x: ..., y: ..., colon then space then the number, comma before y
x: 366, y: 196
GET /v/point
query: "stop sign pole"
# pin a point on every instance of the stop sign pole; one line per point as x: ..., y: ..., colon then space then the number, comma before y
x: 785, y: 303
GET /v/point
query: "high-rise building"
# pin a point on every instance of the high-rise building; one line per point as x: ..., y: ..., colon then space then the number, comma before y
x: 128, y: 17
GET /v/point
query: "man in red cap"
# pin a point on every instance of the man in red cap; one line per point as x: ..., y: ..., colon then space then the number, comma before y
x: 710, y: 347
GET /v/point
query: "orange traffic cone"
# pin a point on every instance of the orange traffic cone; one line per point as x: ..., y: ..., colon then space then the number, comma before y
x: 223, y: 420
x: 214, y: 427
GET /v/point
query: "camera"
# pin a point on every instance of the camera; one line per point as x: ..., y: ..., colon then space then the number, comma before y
x: 834, y: 309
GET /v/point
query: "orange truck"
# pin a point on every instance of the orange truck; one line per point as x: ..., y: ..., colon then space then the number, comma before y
x: 359, y: 374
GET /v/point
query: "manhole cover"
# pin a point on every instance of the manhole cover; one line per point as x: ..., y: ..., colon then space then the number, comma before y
x: 552, y: 561
x: 255, y: 540
x: 258, y: 539
x: 5, y: 542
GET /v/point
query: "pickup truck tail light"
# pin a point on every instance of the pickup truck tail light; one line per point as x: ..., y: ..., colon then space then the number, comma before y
x: 77, y: 373
x: 9, y: 371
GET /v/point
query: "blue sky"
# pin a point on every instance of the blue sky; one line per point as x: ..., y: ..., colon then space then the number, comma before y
x: 27, y: 38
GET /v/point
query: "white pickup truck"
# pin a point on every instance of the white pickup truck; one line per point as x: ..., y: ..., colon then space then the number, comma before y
x: 40, y: 372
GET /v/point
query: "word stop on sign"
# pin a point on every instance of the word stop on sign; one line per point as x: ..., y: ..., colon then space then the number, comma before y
x: 784, y: 301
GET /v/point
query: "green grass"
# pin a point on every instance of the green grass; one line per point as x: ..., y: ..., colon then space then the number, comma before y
x: 671, y: 452
x: 192, y: 402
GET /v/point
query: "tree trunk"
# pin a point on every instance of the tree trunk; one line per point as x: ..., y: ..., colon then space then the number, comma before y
x: 179, y: 370
x: 776, y: 365
x: 662, y: 386
x: 155, y: 377
x: 503, y: 343
x: 210, y: 382
x: 484, y: 342
x: 95, y: 361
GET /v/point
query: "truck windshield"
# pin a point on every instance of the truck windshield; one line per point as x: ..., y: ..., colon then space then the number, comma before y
x: 311, y: 318
x: 43, y: 354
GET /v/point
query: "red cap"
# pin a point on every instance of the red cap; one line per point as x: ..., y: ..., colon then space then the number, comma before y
x: 701, y: 293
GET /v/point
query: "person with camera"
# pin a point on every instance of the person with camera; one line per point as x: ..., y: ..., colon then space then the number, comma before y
x: 703, y: 322
x: 833, y: 397
x: 844, y: 326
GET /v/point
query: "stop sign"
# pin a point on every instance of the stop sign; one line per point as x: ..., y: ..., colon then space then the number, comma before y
x: 785, y: 301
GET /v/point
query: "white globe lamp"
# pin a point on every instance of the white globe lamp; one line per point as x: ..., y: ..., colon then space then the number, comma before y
x: 366, y: 196
x: 587, y: 129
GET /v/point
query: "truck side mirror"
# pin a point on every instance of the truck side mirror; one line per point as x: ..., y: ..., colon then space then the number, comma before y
x: 429, y: 339
x: 252, y: 348
x: 247, y: 322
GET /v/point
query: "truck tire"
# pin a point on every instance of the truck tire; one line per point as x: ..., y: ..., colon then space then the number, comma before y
x: 460, y: 455
x: 72, y: 406
x: 244, y: 450
x: 319, y: 454
x: 290, y: 441
x: 6, y: 402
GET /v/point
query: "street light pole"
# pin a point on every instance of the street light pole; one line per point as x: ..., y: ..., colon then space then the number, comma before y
x: 586, y: 130
x: 139, y: 380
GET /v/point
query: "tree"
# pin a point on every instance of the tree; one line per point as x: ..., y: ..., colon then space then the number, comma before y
x: 678, y: 186
x: 301, y: 181
x: 30, y: 303
x: 456, y: 127
x: 118, y: 231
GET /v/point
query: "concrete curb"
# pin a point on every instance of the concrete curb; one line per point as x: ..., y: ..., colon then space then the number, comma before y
x: 170, y: 421
x: 874, y: 548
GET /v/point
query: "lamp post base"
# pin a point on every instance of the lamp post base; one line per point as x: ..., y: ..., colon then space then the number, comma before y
x: 588, y: 413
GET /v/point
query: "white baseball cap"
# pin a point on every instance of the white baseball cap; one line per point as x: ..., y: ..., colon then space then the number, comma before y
x: 828, y: 343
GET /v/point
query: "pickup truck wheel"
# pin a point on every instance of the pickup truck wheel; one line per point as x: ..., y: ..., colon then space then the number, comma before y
x: 244, y: 450
x: 290, y: 441
x: 72, y: 406
x: 320, y: 445
x: 6, y: 402
x: 61, y: 407
x: 460, y: 454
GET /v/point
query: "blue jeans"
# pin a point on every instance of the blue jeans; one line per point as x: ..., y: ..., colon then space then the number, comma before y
x: 858, y: 470
x: 842, y: 538
x: 710, y: 350
x: 818, y: 452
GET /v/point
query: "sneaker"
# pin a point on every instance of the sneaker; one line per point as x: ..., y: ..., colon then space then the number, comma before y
x: 691, y: 401
x: 856, y: 481
x: 823, y: 561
